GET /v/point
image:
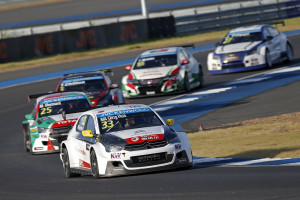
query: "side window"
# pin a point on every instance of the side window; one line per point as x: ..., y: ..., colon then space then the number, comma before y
x: 81, y: 123
x: 108, y: 81
x: 274, y: 32
x: 181, y: 56
x: 186, y: 54
x: 266, y: 33
x: 90, y: 125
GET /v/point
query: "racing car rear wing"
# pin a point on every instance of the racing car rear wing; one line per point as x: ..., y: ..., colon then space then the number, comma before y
x: 188, y: 46
x: 100, y: 70
x: 34, y: 96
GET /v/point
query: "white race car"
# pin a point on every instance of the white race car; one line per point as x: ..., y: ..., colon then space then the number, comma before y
x: 121, y: 140
x: 248, y: 48
x: 162, y: 71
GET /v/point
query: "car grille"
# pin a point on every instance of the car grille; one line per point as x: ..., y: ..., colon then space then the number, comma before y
x: 149, y: 160
x: 153, y: 82
x: 144, y: 90
x: 145, y: 145
x: 232, y: 66
x: 63, y: 129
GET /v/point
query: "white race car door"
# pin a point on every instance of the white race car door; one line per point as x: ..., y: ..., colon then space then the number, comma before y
x: 82, y: 144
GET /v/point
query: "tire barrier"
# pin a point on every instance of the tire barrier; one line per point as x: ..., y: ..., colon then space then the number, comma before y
x: 83, y: 39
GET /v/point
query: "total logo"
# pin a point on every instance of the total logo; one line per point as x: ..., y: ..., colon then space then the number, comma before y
x: 141, y: 139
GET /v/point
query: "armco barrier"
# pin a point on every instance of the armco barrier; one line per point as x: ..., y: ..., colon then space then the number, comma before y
x: 40, y: 45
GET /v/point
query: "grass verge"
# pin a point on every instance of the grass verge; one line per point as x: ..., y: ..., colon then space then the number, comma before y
x: 290, y: 24
x: 271, y: 137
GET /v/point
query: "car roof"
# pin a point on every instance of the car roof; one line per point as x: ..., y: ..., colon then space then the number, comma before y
x: 247, y: 28
x: 120, y: 109
x: 160, y: 51
x: 61, y: 94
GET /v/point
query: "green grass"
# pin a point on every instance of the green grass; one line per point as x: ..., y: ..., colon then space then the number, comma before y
x: 290, y: 24
x: 272, y: 137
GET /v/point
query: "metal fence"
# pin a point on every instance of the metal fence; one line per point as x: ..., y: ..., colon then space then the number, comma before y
x: 189, y: 21
x: 234, y: 15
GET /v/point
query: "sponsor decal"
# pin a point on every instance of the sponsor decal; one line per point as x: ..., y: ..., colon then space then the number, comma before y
x: 87, y: 147
x: 64, y: 123
x: 141, y: 139
x: 81, y: 79
x: 177, y: 146
x: 84, y: 164
x: 60, y: 99
x: 81, y: 151
x: 73, y: 83
x: 43, y: 136
x: 120, y: 112
x: 117, y: 155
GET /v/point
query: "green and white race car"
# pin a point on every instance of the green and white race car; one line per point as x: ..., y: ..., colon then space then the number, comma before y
x: 51, y: 120
x: 162, y: 71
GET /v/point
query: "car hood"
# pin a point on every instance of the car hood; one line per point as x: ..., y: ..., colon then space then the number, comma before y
x: 153, y: 73
x: 230, y: 48
x: 140, y: 135
x: 54, y: 121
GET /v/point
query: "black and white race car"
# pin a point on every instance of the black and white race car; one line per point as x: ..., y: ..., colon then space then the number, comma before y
x: 248, y: 48
x: 122, y: 140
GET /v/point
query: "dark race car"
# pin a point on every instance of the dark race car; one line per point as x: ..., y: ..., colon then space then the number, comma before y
x: 96, y: 85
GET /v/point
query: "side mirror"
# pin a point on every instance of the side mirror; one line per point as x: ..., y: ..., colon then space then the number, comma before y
x: 184, y: 62
x: 114, y: 86
x: 128, y: 67
x: 63, y: 114
x: 29, y: 117
x: 87, y: 133
x: 170, y: 122
x: 269, y: 37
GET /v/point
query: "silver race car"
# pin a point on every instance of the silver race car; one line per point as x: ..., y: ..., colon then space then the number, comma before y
x: 249, y: 48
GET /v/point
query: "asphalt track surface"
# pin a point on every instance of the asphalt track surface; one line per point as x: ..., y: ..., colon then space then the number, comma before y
x: 24, y: 176
x: 70, y: 10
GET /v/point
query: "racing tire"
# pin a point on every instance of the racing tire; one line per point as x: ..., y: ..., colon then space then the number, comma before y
x: 268, y: 59
x: 289, y: 53
x: 66, y: 165
x: 201, y: 79
x: 26, y: 137
x: 186, y: 84
x: 94, y: 165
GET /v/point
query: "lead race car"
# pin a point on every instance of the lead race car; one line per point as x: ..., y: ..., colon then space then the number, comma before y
x: 51, y: 119
x: 248, y: 48
x: 162, y: 71
x: 122, y: 140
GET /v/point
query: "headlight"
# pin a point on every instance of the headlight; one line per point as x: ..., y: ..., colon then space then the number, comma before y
x: 173, y: 76
x: 254, y: 51
x: 174, y: 140
x: 133, y: 81
x: 216, y: 57
x: 113, y: 148
x: 43, y: 130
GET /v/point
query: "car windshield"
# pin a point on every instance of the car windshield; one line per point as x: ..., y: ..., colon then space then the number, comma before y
x: 156, y: 61
x: 233, y: 38
x: 96, y: 85
x: 128, y: 121
x: 56, y: 107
